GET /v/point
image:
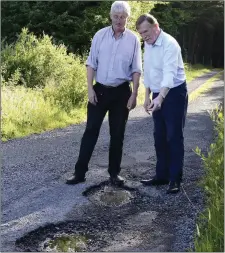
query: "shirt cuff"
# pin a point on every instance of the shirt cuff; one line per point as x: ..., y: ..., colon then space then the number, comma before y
x: 91, y: 65
x: 136, y: 70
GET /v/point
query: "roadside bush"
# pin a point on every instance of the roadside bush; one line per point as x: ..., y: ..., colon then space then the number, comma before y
x: 210, y: 230
x: 36, y: 62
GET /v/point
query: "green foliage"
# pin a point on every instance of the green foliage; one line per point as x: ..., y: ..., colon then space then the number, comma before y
x: 43, y: 87
x: 137, y: 9
x: 26, y: 111
x: 193, y: 71
x: 72, y: 23
x: 36, y: 62
x: 198, y: 27
x: 210, y: 231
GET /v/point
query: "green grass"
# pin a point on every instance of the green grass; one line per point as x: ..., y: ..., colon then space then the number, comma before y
x: 204, y: 87
x: 193, y: 71
x: 210, y: 228
x: 26, y: 111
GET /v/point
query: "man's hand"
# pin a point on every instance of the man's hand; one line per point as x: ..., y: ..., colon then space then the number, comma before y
x: 132, y: 101
x: 147, y: 104
x: 156, y: 104
x: 92, y: 98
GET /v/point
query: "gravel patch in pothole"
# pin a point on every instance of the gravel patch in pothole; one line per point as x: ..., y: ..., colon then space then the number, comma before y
x: 110, y: 196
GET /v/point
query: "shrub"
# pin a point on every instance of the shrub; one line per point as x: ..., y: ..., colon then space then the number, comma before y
x: 210, y: 231
x: 36, y: 62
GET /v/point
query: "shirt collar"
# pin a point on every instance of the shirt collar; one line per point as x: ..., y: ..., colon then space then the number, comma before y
x: 158, y: 41
x: 121, y: 35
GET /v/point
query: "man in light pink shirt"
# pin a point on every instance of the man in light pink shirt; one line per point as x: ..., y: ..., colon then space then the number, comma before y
x: 114, y: 61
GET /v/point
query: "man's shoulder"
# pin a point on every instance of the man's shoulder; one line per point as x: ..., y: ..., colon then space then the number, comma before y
x: 169, y: 40
x: 132, y: 33
x: 102, y: 31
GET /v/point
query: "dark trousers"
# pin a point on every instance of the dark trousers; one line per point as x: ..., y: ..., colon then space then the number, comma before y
x: 169, y: 123
x: 113, y: 100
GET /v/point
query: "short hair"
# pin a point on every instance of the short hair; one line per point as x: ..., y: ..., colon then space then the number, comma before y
x: 146, y: 17
x: 120, y: 6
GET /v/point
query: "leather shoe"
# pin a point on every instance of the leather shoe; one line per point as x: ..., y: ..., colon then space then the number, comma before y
x: 75, y: 180
x: 174, y: 187
x: 116, y: 180
x: 154, y: 182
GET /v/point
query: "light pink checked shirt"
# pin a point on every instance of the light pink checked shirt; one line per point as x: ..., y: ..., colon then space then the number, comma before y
x: 114, y: 61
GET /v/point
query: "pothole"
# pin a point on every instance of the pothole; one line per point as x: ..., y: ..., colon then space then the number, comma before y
x: 99, y: 223
x: 70, y: 236
x: 65, y: 243
x: 111, y: 196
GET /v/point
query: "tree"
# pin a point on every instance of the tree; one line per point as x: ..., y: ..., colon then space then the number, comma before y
x: 198, y: 27
x: 72, y: 23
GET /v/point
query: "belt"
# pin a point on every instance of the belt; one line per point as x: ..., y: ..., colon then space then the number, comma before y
x: 110, y: 87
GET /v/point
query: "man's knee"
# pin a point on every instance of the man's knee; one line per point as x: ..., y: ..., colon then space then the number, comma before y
x: 92, y: 129
x: 160, y: 140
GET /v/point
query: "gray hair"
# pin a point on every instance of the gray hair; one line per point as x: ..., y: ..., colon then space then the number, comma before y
x: 120, y: 6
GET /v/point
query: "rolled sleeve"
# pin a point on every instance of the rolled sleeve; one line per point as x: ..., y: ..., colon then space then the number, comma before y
x: 92, y: 59
x: 170, y: 65
x: 136, y: 63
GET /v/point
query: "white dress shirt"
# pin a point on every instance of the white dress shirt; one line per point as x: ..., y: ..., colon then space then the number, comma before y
x: 163, y: 64
x: 114, y: 60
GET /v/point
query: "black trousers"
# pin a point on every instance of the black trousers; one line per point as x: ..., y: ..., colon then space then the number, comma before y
x: 169, y: 123
x: 113, y: 100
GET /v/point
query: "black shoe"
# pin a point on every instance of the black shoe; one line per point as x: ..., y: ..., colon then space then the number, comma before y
x: 154, y: 182
x: 174, y: 187
x: 75, y: 180
x: 116, y: 180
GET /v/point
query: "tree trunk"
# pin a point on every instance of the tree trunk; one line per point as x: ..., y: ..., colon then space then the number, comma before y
x: 193, y: 46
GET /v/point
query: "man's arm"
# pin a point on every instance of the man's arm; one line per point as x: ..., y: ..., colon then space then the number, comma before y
x: 136, y: 73
x: 90, y: 76
x: 147, y: 101
x: 170, y: 64
x: 136, y: 66
x: 136, y: 80
x: 163, y: 92
x: 92, y: 60
x: 147, y: 93
x: 92, y: 64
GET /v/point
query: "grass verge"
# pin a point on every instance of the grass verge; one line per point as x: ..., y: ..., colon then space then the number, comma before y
x: 25, y: 111
x: 210, y: 226
x: 206, y: 86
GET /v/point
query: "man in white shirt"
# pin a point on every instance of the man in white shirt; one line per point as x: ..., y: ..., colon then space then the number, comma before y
x: 114, y: 61
x: 164, y: 76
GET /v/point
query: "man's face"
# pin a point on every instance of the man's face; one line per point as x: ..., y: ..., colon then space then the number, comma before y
x: 119, y: 21
x: 148, y: 31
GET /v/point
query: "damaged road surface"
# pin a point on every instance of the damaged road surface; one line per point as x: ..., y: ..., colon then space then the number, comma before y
x: 116, y: 219
x: 41, y: 213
